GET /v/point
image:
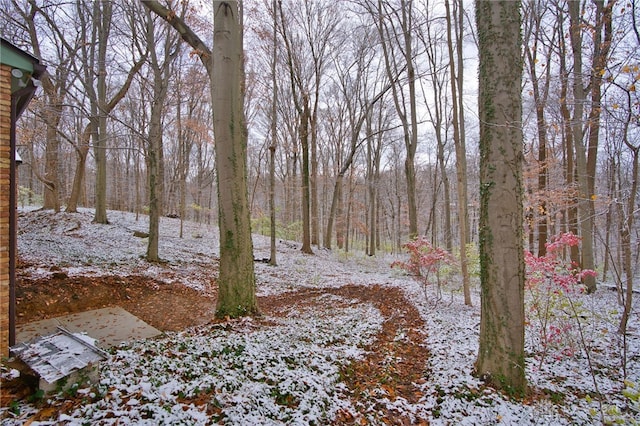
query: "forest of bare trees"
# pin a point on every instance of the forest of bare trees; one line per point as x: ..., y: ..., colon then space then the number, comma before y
x: 373, y: 135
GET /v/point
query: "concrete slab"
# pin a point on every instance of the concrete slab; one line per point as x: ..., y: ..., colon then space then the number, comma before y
x: 110, y: 326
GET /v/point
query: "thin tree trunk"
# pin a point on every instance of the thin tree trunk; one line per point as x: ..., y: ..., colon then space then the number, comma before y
x: 82, y: 150
x: 161, y: 68
x: 51, y: 199
x: 540, y: 96
x: 626, y: 221
x: 611, y: 190
x: 103, y: 13
x: 461, y: 154
x: 580, y: 97
x: 408, y: 118
x: 572, y: 209
x: 274, y: 135
x: 313, y: 178
x: 301, y: 101
x: 305, y: 176
x: 626, y: 225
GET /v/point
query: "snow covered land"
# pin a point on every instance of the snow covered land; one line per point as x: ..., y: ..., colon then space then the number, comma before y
x: 289, y: 368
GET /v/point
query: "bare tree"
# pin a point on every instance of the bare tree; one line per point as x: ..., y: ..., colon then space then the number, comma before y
x: 456, y: 68
x: 306, y: 53
x: 44, y: 29
x: 534, y: 34
x: 236, y: 281
x: 163, y: 49
x: 439, y: 111
x: 359, y: 104
x: 586, y: 156
x: 93, y: 77
x: 236, y: 288
x: 395, y: 28
x: 274, y: 138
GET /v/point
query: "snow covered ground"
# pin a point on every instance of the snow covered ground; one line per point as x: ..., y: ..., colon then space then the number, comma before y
x: 287, y: 372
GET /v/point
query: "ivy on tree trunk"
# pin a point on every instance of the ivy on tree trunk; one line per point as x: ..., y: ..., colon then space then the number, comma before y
x: 502, y: 268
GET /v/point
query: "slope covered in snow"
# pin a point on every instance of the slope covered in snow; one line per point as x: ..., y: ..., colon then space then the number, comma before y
x: 288, y: 367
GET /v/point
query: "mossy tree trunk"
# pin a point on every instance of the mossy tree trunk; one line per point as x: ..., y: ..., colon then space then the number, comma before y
x: 236, y: 281
x: 236, y: 293
x: 501, y: 353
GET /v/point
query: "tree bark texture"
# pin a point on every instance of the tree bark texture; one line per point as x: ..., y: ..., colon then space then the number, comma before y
x: 236, y: 293
x: 580, y: 100
x: 501, y: 353
x: 274, y: 141
x: 103, y: 12
x: 461, y: 150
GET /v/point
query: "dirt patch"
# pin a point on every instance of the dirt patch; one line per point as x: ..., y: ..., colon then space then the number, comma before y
x: 149, y: 300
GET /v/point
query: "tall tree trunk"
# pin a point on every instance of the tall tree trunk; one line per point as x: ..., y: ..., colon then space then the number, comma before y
x: 408, y: 117
x: 224, y: 65
x: 602, y: 46
x: 274, y: 139
x: 459, y: 142
x: 161, y: 70
x: 572, y: 209
x: 501, y: 352
x: 305, y: 176
x: 56, y: 88
x: 580, y: 98
x: 155, y: 162
x: 626, y: 219
x: 438, y: 114
x: 371, y: 187
x: 103, y: 13
x: 412, y: 141
x: 236, y: 282
x: 626, y: 225
x: 540, y: 95
x: 301, y: 102
x: 313, y: 178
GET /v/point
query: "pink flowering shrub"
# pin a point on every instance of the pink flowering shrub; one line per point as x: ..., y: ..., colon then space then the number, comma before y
x: 552, y: 283
x: 425, y: 261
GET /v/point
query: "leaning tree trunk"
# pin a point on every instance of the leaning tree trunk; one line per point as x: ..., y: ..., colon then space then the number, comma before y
x: 236, y: 293
x: 501, y: 353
